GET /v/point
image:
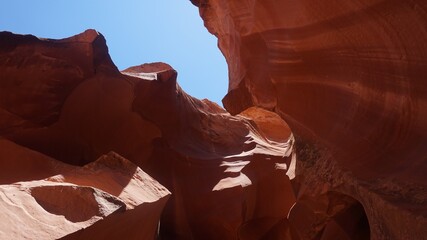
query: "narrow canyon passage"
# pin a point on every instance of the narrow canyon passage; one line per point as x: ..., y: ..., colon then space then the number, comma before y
x: 323, y: 133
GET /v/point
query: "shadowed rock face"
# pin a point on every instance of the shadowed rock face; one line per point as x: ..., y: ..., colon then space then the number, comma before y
x: 349, y: 79
x: 37, y: 75
x: 89, y: 115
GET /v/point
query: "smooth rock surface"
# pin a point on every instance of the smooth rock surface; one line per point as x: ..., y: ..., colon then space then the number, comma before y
x: 109, y: 198
x: 349, y: 79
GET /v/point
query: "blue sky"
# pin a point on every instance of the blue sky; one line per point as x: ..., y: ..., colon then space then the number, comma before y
x: 137, y: 31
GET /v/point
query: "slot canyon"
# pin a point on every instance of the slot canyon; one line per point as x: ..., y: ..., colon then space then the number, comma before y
x: 323, y: 134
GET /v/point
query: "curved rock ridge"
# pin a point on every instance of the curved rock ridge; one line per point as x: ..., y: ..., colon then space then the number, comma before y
x: 225, y: 172
x: 108, y: 198
x: 348, y: 78
x: 202, y: 129
x: 46, y: 210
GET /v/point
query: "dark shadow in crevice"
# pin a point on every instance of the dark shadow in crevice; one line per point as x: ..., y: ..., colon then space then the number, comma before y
x: 348, y: 220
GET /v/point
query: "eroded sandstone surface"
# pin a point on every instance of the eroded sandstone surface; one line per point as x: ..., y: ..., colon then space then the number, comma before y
x: 323, y: 136
x: 229, y: 176
x: 349, y: 79
x: 106, y: 199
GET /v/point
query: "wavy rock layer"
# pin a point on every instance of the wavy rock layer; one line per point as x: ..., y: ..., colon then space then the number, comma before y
x: 348, y: 78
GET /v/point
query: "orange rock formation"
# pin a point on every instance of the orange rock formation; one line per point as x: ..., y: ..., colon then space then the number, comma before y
x: 106, y: 199
x: 227, y: 174
x: 89, y: 152
x: 348, y: 78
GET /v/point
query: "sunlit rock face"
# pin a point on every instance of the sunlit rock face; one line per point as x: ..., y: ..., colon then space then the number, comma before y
x: 94, y: 153
x: 349, y: 79
x: 106, y: 199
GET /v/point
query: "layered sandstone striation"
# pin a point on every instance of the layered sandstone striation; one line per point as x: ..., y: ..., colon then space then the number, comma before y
x: 348, y: 78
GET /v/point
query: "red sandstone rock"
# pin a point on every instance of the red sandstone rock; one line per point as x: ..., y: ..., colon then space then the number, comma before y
x: 348, y: 78
x: 109, y: 198
x: 224, y: 171
x: 96, y: 114
x: 21, y: 164
x: 46, y: 210
x: 229, y: 175
x: 56, y: 67
x: 144, y: 198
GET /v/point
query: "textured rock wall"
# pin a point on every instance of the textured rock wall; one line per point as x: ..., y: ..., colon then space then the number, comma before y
x: 349, y: 79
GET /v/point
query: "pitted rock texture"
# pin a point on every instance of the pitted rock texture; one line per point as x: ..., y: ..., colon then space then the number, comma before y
x: 348, y: 78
